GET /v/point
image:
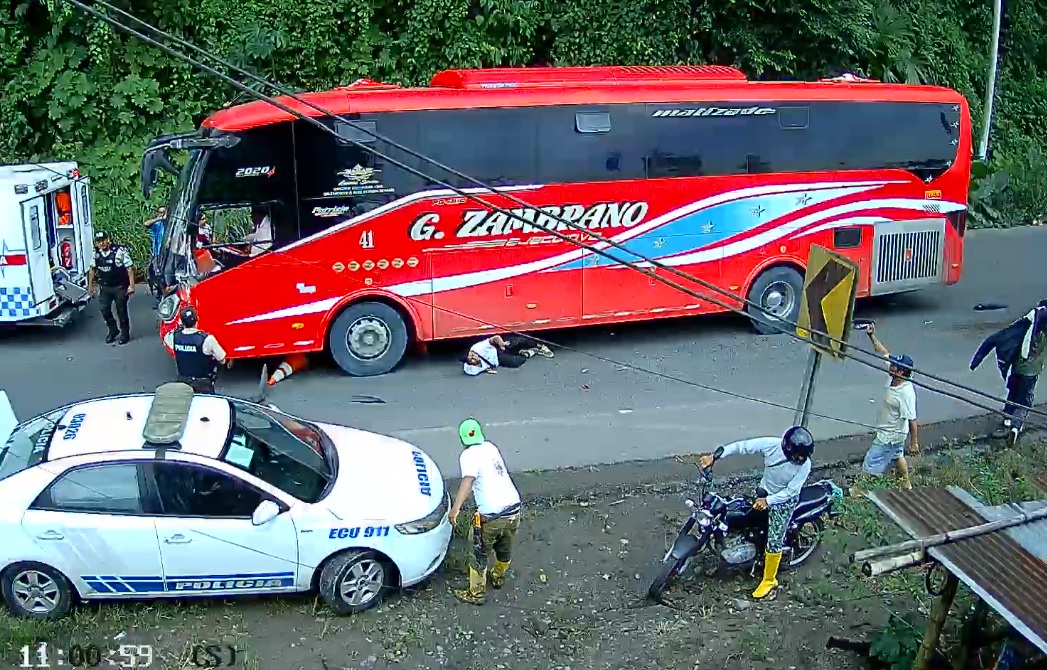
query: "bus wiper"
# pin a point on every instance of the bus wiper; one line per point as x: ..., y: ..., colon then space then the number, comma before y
x: 156, y: 154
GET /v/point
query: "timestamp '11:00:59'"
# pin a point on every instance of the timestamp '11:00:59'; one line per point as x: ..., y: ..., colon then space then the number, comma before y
x: 44, y: 655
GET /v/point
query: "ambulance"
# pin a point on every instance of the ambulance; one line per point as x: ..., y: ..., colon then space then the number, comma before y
x: 45, y: 243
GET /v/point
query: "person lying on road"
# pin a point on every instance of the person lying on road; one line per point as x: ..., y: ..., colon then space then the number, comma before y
x: 511, y: 351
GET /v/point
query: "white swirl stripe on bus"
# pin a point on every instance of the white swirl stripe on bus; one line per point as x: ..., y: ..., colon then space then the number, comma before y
x: 442, y: 284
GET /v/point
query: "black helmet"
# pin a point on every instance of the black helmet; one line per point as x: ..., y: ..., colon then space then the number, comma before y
x: 798, y: 444
x: 188, y: 316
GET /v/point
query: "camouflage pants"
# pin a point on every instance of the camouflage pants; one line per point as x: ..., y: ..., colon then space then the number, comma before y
x: 497, y: 535
x: 778, y: 518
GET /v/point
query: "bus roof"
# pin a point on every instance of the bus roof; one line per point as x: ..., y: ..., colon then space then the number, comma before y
x: 533, y: 87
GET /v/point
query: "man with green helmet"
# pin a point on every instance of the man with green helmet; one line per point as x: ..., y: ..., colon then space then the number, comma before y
x: 498, y: 507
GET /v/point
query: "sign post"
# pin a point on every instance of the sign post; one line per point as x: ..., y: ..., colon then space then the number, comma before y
x: 826, y: 306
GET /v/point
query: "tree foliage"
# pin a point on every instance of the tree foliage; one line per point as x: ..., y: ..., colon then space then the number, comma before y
x: 72, y: 87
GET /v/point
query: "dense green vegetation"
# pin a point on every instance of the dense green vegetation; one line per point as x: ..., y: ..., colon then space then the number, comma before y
x: 73, y: 87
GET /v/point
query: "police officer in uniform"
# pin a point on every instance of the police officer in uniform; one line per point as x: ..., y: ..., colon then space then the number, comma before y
x: 113, y: 272
x: 197, y: 354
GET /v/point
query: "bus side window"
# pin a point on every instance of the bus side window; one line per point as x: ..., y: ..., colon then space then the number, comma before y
x: 341, y: 177
x: 583, y: 144
x: 497, y: 146
x: 684, y: 145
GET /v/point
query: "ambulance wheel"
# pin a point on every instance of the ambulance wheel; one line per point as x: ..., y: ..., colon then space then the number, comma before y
x: 368, y: 339
x: 36, y: 591
x: 777, y: 291
x: 355, y: 581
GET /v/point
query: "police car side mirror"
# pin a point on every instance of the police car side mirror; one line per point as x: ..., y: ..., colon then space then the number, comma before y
x: 266, y: 511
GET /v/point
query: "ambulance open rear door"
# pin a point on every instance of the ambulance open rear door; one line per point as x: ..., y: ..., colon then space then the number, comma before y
x: 37, y: 251
x: 84, y: 225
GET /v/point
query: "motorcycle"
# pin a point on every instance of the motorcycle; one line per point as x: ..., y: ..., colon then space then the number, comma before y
x: 736, y: 534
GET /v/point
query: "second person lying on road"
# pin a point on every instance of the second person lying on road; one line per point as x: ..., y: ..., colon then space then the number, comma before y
x: 510, y: 351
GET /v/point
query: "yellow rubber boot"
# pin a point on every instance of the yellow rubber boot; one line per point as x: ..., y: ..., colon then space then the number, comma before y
x: 476, y: 594
x: 770, y: 575
x: 498, y: 573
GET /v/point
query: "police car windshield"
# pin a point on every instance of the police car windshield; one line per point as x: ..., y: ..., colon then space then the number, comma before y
x: 292, y: 455
x: 27, y: 445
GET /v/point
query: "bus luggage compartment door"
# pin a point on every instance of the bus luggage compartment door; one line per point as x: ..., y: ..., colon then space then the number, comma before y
x: 34, y: 226
x: 469, y: 297
x: 907, y: 255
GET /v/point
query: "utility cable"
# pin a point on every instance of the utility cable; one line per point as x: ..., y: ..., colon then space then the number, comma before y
x: 592, y: 249
x: 296, y: 96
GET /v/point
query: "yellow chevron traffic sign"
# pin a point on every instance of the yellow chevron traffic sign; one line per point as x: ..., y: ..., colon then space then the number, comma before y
x: 827, y: 303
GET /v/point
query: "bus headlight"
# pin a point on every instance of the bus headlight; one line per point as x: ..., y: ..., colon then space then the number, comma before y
x: 428, y: 522
x: 168, y: 307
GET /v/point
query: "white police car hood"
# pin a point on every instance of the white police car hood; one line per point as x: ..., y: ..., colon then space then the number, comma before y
x: 381, y: 478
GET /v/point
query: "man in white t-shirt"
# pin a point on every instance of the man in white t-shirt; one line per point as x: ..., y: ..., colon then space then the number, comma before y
x: 497, y: 517
x: 895, y: 419
x: 511, y: 351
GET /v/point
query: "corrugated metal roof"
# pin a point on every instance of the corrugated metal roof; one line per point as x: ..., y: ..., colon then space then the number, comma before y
x: 1007, y: 569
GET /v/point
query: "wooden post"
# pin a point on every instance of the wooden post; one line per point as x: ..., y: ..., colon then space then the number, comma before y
x: 935, y: 622
x: 972, y: 637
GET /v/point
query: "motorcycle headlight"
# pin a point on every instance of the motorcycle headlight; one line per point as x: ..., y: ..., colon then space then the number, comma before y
x: 168, y: 307
x: 429, y: 521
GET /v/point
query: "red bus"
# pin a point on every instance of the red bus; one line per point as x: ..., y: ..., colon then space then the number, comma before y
x: 728, y: 179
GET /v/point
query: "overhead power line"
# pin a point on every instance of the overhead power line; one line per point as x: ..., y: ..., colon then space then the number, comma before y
x: 556, y: 233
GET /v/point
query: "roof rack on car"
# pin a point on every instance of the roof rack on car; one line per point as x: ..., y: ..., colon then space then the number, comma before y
x: 168, y: 416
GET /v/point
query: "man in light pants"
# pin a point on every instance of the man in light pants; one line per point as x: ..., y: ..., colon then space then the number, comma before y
x: 895, y: 419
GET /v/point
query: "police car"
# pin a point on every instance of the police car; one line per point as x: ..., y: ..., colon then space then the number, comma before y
x: 171, y: 494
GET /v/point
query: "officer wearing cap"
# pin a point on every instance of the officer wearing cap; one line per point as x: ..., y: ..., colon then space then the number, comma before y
x: 113, y: 273
x: 197, y: 353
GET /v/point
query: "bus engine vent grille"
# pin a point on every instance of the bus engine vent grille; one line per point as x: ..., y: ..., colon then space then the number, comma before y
x: 907, y: 255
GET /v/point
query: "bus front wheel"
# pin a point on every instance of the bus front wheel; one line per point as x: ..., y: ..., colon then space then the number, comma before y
x: 777, y: 291
x: 368, y: 339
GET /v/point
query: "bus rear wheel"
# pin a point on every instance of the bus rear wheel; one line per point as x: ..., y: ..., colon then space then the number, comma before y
x: 777, y: 291
x: 368, y: 339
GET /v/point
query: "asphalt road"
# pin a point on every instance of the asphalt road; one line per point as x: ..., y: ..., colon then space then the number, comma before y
x: 577, y: 410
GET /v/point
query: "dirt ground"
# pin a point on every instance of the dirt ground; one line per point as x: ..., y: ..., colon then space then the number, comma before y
x: 575, y: 601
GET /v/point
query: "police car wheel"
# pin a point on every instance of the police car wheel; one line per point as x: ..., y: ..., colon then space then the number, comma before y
x: 368, y: 339
x: 777, y: 290
x: 36, y: 591
x: 355, y: 581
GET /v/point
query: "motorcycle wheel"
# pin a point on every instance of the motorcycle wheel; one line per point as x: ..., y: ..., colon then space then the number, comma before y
x: 669, y: 571
x: 805, y: 542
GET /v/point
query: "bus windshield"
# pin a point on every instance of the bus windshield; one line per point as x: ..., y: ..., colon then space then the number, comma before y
x: 175, y: 255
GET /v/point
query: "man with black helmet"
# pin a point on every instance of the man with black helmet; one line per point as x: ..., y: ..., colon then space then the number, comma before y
x: 113, y: 273
x: 197, y: 354
x: 786, y: 466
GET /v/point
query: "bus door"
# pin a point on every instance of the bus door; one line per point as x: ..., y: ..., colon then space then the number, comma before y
x: 34, y: 227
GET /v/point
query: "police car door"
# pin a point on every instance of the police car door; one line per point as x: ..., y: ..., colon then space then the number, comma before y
x: 209, y: 543
x: 90, y: 523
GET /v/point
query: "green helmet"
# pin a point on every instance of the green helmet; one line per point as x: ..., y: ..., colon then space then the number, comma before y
x: 470, y: 433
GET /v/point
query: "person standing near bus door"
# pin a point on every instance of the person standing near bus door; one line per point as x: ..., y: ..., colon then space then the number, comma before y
x: 497, y: 517
x: 896, y: 418
x: 197, y: 353
x: 155, y: 227
x: 113, y: 273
